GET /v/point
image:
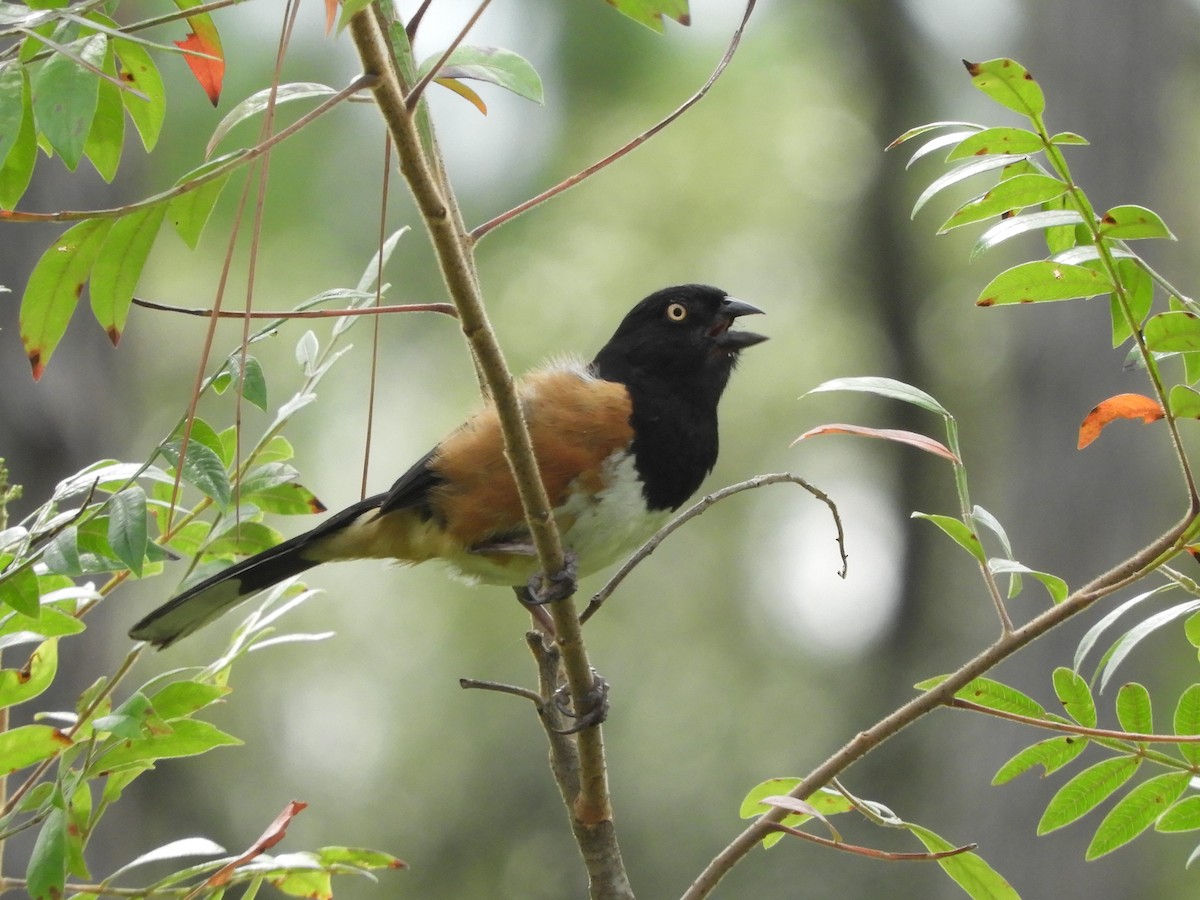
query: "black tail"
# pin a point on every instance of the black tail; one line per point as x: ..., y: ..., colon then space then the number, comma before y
x: 203, y: 602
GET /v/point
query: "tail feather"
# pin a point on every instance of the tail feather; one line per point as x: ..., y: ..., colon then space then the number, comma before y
x: 203, y: 602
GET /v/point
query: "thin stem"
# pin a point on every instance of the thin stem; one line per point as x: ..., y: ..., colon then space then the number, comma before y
x: 414, y: 95
x: 443, y: 308
x: 1068, y: 728
x: 870, y: 851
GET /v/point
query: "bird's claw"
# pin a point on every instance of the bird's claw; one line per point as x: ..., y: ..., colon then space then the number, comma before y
x: 593, y: 710
x: 540, y: 591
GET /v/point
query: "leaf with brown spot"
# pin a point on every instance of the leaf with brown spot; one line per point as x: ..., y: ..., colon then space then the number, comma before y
x: 274, y: 833
x: 1009, y: 84
x: 1122, y: 406
x: 920, y: 441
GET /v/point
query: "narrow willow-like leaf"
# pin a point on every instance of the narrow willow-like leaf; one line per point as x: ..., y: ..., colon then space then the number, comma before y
x: 1085, y: 791
x: 258, y: 101
x: 968, y: 870
x: 1050, y: 754
x: 1136, y: 811
x: 1093, y: 634
x: 884, y: 387
x: 1182, y: 816
x: 1010, y: 228
x: 957, y: 174
x: 997, y: 141
x: 1130, y: 222
x: 1134, y: 709
x: 962, y: 535
x: 932, y: 126
x: 188, y: 737
x: 1076, y: 697
x: 1187, y: 721
x: 1042, y: 280
x: 1009, y: 195
x: 937, y: 143
x: 1135, y: 635
x: 1008, y: 83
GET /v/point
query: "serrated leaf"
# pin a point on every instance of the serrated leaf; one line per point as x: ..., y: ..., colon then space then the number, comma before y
x: 1086, y: 790
x: 54, y: 289
x: 188, y: 737
x: 1136, y: 811
x: 1139, y: 293
x: 1008, y: 83
x: 1050, y: 754
x: 1039, y: 281
x: 884, y: 387
x: 968, y: 870
x: 65, y: 95
x: 997, y: 141
x: 204, y: 470
x: 127, y: 533
x: 29, y: 744
x: 46, y: 873
x: 1131, y: 222
x: 139, y: 72
x: 19, y: 685
x: 119, y: 266
x: 1075, y: 695
x: 1017, y: 225
x: 1135, y: 635
x: 1172, y: 332
x: 1134, y: 709
x: 494, y: 65
x: 958, y: 174
x: 1187, y: 721
x: 1182, y: 816
x: 1011, y: 194
x: 962, y: 535
x: 258, y: 102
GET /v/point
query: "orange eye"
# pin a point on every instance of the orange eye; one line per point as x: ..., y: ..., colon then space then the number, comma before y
x: 677, y: 312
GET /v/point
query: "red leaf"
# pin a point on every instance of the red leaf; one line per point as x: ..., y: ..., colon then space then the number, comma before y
x: 920, y: 441
x: 331, y: 8
x: 1122, y: 406
x: 268, y: 839
x: 208, y: 72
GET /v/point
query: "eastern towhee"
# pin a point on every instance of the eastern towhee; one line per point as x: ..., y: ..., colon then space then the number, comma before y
x: 621, y: 444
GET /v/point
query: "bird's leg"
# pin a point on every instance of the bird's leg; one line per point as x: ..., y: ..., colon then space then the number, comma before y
x: 540, y: 591
x: 592, y: 711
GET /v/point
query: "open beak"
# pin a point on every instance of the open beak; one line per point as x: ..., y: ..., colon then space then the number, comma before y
x: 733, y: 341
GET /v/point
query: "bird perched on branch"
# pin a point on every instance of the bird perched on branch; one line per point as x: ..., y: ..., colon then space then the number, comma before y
x: 621, y: 443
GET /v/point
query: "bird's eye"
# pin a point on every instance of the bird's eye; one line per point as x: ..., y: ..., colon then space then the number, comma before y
x: 677, y: 312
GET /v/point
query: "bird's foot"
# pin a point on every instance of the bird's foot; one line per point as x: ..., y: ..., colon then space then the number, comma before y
x: 542, y: 590
x: 592, y: 711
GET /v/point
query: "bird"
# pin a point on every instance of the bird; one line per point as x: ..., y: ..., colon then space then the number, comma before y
x: 621, y: 443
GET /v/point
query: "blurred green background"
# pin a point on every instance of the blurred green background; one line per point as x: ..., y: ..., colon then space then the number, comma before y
x: 735, y: 653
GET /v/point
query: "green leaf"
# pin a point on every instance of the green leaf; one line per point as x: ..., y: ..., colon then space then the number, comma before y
x: 140, y: 73
x: 127, y: 527
x: 996, y: 141
x: 1139, y: 292
x: 1133, y: 709
x: 1050, y: 754
x: 253, y: 385
x: 182, y: 698
x: 996, y: 695
x: 107, y: 134
x: 493, y: 65
x: 1069, y: 138
x: 187, y: 737
x: 65, y: 95
x: 969, y: 870
x: 12, y: 106
x: 1017, y: 225
x: 1008, y: 83
x: 360, y: 858
x: 20, y: 591
x: 1093, y: 634
x: 1187, y: 721
x: 1009, y: 195
x: 246, y: 539
x: 29, y: 744
x: 932, y: 126
x: 189, y: 212
x: 1136, y: 811
x: 937, y: 143
x: 258, y: 102
x: 17, y: 169
x: 1075, y: 695
x: 61, y: 555
x: 19, y: 685
x: 190, y: 538
x: 1183, y: 816
x: 1056, y: 587
x: 1060, y: 238
x: 1042, y: 280
x: 961, y: 534
x: 302, y: 881
x: 957, y: 174
x: 54, y: 287
x: 46, y: 874
x: 278, y: 449
x: 203, y: 433
x: 269, y: 475
x: 1086, y: 790
x: 884, y: 387
x: 50, y: 622
x: 1172, y: 332
x: 825, y: 801
x: 119, y: 266
x: 287, y: 500
x: 202, y: 469
x: 1131, y: 222
x: 1135, y: 635
x: 650, y: 12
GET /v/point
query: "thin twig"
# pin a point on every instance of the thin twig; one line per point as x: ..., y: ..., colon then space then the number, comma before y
x: 1068, y: 728
x: 479, y: 231
x: 414, y: 96
x: 870, y: 852
x: 701, y: 506
x: 515, y: 690
x: 443, y: 308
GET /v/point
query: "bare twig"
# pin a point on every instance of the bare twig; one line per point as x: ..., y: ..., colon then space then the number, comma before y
x: 1068, y: 728
x: 869, y: 851
x: 515, y: 690
x: 701, y: 506
x: 418, y: 89
x: 443, y: 308
x: 479, y: 231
